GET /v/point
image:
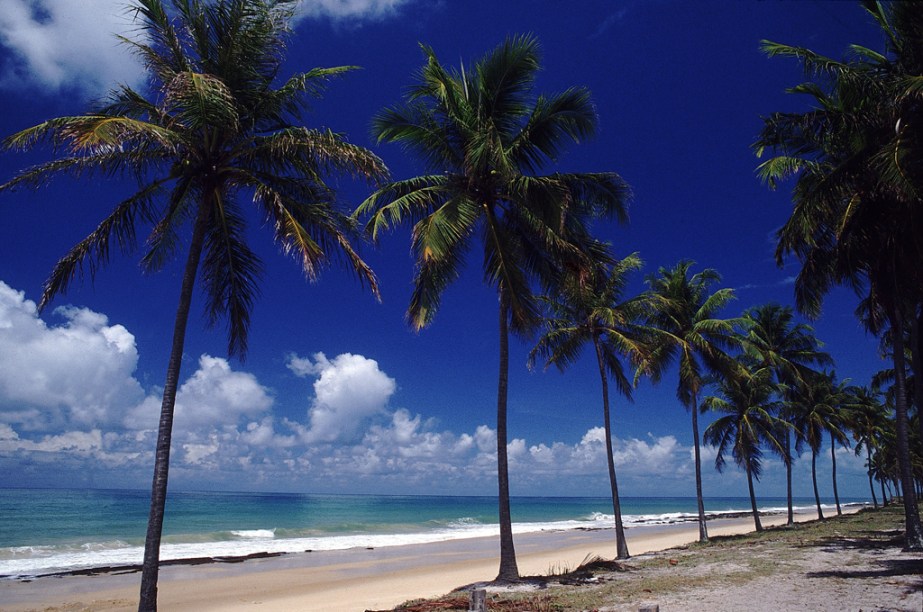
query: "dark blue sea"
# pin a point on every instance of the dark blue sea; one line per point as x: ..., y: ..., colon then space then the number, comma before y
x: 53, y: 530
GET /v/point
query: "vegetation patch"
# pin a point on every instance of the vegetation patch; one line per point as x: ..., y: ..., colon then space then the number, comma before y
x: 783, y: 553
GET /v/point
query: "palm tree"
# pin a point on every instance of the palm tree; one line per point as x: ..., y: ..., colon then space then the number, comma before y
x: 814, y: 409
x: 216, y: 127
x: 685, y: 313
x: 484, y: 137
x: 913, y: 363
x: 595, y: 313
x: 856, y: 215
x: 775, y: 341
x: 745, y: 398
x: 868, y: 419
x: 837, y: 425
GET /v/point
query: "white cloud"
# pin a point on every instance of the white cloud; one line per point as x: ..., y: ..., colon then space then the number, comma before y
x: 75, y: 375
x: 656, y: 455
x: 350, y: 9
x: 70, y: 44
x: 216, y: 396
x: 70, y: 408
x: 348, y: 391
x: 60, y: 44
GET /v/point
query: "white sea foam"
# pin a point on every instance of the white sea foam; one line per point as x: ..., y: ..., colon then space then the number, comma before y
x: 25, y: 561
x: 36, y: 560
x: 256, y: 534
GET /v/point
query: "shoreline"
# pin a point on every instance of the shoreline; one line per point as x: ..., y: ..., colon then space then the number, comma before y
x: 286, y: 546
x: 353, y: 579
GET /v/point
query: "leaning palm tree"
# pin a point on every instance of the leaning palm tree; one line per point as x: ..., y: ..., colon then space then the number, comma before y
x: 484, y: 138
x: 215, y: 127
x: 595, y: 312
x: 856, y: 203
x: 746, y: 399
x: 773, y: 340
x: 686, y: 315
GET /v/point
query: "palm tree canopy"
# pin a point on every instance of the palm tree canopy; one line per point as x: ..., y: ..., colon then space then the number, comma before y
x: 857, y: 156
x: 747, y: 423
x: 686, y: 315
x: 868, y: 418
x: 484, y: 136
x: 817, y: 407
x: 595, y: 311
x: 774, y: 340
x: 215, y: 126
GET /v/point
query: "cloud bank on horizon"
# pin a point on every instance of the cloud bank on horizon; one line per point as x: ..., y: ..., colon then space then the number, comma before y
x: 70, y: 398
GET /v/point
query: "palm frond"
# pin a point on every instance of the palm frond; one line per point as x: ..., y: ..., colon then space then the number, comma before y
x: 93, y: 251
x: 230, y: 273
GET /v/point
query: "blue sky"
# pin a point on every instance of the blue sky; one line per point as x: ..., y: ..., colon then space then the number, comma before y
x: 337, y: 393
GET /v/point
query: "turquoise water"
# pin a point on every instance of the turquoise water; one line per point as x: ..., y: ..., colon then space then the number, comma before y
x: 52, y: 530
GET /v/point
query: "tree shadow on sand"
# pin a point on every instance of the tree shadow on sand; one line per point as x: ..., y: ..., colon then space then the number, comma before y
x: 872, y: 541
x: 890, y: 568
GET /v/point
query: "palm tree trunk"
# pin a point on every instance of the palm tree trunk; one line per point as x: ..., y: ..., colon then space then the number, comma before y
x: 884, y: 497
x: 620, y: 543
x: 916, y: 366
x: 788, y: 477
x: 703, y: 529
x: 836, y: 495
x: 868, y: 454
x: 150, y: 568
x: 756, y: 512
x: 820, y: 513
x: 509, y: 571
x: 913, y: 531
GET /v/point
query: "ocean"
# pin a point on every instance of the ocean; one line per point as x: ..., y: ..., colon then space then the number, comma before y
x: 45, y: 531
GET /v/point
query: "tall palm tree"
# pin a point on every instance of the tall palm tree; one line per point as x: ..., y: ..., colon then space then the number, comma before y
x: 837, y: 429
x: 913, y: 362
x: 746, y: 399
x: 686, y: 315
x: 484, y: 138
x: 595, y: 312
x: 773, y: 340
x: 868, y: 419
x: 856, y: 217
x: 215, y: 127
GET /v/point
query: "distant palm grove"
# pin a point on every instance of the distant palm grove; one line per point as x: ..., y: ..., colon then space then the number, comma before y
x: 217, y: 129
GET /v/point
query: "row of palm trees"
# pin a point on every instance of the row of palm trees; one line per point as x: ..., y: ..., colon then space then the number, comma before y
x: 857, y: 209
x: 763, y: 396
x: 216, y: 126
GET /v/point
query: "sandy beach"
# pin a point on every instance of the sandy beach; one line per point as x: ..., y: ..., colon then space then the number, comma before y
x: 349, y: 580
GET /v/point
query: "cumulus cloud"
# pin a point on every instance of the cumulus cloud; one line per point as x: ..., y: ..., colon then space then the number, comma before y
x: 61, y: 44
x: 348, y: 391
x: 70, y: 405
x: 77, y: 374
x: 216, y: 396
